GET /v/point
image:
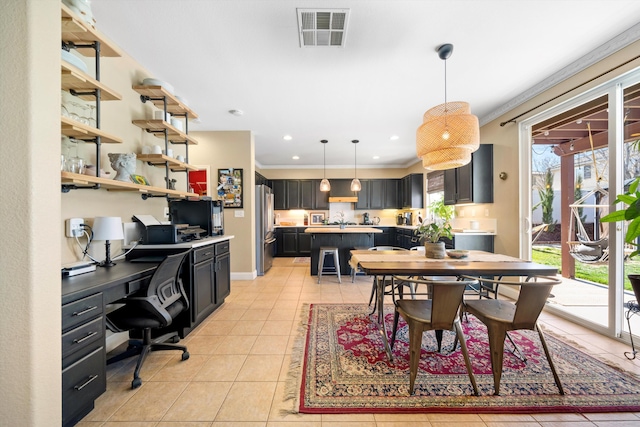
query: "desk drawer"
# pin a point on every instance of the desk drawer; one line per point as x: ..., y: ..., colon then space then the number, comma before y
x: 203, y: 254
x: 81, y: 311
x: 82, y: 383
x: 222, y: 248
x: 83, y: 336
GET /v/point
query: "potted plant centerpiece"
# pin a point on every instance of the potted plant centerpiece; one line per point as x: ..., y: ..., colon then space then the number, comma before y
x: 431, y: 230
x: 631, y: 214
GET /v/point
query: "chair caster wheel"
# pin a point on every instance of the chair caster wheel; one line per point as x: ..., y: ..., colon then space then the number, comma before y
x: 175, y: 339
x: 185, y: 355
x: 137, y: 382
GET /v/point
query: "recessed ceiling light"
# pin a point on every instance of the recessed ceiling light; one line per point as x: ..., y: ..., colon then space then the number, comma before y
x: 394, y: 137
x: 376, y: 157
x: 287, y: 137
x: 296, y: 157
x: 236, y: 112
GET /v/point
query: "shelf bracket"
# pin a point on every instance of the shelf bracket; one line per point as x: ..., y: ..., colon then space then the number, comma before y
x: 68, y: 187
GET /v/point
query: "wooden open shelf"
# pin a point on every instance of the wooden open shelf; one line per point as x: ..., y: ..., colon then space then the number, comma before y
x: 174, y: 106
x: 174, y: 135
x: 83, y: 132
x: 69, y: 178
x: 160, y: 160
x: 74, y: 29
x: 74, y: 78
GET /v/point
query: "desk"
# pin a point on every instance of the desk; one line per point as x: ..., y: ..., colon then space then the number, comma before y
x: 414, y: 263
x: 206, y: 277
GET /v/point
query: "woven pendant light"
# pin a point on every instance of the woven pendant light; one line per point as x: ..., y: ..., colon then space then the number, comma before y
x: 449, y: 132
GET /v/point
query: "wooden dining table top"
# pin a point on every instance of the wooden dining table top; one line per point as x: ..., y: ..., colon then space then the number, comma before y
x: 477, y: 263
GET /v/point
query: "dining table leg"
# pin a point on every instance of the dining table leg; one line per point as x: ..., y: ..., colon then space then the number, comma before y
x: 381, y: 322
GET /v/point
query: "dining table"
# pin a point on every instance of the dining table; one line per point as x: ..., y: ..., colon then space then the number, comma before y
x: 382, y: 264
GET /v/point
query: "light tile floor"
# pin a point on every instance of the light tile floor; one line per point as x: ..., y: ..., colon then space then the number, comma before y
x: 240, y: 357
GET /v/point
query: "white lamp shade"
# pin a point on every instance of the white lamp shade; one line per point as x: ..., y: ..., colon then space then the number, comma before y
x: 107, y: 228
x: 325, y: 185
x: 356, y: 185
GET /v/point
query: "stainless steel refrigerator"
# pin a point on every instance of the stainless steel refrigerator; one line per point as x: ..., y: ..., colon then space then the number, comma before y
x: 265, y: 237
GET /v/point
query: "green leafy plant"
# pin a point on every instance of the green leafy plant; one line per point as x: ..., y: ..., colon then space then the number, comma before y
x: 440, y: 226
x: 632, y: 214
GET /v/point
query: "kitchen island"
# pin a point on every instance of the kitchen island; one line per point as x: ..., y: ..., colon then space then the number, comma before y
x: 345, y: 239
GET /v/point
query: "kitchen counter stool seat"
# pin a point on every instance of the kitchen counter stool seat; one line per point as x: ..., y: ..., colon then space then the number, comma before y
x: 324, y: 251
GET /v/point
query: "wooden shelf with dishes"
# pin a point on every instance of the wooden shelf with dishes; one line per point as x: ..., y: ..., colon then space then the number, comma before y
x: 76, y: 30
x: 162, y: 160
x: 157, y: 95
x: 77, y: 130
x: 89, y: 181
x: 157, y: 128
x: 75, y: 79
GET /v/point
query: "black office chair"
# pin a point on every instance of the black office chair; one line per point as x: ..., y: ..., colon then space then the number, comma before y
x: 153, y: 308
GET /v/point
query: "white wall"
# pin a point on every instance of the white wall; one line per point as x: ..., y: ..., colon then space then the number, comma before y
x: 30, y: 310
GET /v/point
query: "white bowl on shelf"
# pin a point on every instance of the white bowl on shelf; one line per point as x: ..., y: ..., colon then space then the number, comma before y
x: 73, y: 60
x: 182, y: 100
x: 176, y: 123
x: 155, y: 82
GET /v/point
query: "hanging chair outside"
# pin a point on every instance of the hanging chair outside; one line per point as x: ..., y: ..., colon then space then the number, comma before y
x: 589, y: 249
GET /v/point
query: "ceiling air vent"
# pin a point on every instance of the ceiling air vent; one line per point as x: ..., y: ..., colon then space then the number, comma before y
x: 322, y: 27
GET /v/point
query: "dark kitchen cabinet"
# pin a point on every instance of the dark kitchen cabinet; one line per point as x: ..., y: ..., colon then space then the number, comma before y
x: 292, y: 241
x: 295, y: 194
x: 372, y: 194
x: 386, y: 238
x: 261, y: 180
x: 321, y: 198
x: 413, y: 191
x: 392, y: 194
x: 305, y: 195
x: 471, y: 183
x: 279, y: 188
x: 405, y: 238
x: 304, y: 243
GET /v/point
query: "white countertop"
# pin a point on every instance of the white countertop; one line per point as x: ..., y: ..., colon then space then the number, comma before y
x: 192, y: 244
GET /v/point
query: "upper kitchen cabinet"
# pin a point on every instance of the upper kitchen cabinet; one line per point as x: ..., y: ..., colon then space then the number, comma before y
x: 321, y: 198
x: 372, y: 194
x: 413, y: 191
x: 471, y: 183
x: 293, y: 194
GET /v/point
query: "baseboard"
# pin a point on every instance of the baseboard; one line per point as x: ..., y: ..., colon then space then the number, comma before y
x: 244, y: 275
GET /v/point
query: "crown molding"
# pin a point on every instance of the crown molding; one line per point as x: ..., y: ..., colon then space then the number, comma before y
x: 617, y: 43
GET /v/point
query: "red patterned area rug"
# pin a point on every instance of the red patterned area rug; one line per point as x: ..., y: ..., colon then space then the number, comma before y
x: 345, y: 370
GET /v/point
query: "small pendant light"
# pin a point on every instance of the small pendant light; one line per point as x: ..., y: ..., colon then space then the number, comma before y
x: 355, y: 183
x: 325, y: 185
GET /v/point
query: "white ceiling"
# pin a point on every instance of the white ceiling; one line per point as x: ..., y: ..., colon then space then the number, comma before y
x: 245, y: 54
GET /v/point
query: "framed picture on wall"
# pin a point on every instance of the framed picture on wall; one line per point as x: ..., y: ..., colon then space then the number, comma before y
x: 317, y: 217
x: 230, y: 187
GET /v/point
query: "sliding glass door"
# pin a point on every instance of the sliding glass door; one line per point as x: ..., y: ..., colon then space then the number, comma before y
x: 575, y: 158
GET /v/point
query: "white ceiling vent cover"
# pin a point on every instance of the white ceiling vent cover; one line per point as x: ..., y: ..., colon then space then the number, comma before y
x: 322, y: 27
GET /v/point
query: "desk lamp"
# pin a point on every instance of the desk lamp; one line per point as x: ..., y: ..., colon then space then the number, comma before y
x: 107, y: 228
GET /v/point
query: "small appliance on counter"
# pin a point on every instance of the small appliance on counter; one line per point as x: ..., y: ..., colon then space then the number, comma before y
x: 400, y: 219
x: 365, y: 219
x: 153, y: 232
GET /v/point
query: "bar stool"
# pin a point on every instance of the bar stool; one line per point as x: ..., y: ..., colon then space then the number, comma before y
x: 324, y: 251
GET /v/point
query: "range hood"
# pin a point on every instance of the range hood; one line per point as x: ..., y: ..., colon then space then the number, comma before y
x: 341, y: 192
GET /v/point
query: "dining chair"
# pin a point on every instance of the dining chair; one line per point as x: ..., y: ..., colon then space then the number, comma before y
x: 502, y: 316
x: 439, y: 312
x: 151, y: 309
x: 387, y: 282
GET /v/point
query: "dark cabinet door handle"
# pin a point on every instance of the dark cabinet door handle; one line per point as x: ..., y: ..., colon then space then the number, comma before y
x: 86, y: 337
x: 86, y: 383
x: 85, y: 311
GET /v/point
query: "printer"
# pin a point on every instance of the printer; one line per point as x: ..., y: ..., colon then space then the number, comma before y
x: 153, y: 232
